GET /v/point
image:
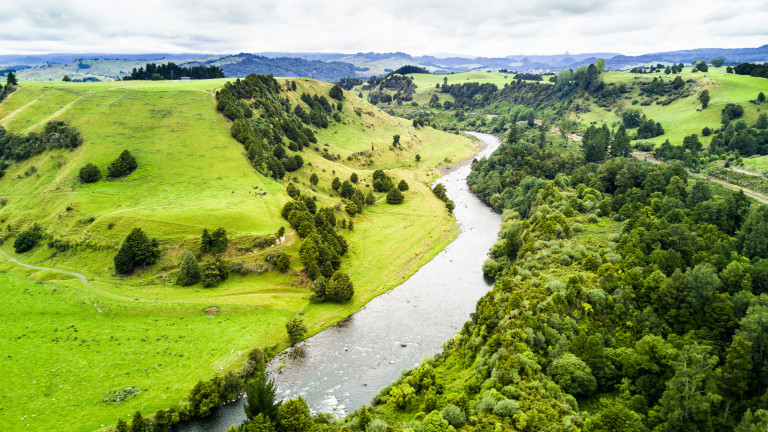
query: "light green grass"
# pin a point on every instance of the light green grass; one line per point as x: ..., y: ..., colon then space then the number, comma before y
x: 191, y: 175
x: 683, y: 117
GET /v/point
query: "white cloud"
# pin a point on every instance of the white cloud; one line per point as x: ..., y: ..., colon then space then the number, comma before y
x: 484, y: 28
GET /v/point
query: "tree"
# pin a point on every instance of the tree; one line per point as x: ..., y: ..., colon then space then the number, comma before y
x: 10, y: 79
x: 66, y: 78
x: 313, y: 179
x: 434, y: 422
x: 26, y: 240
x: 621, y: 143
x: 394, y: 196
x: 395, y: 140
x: 353, y: 178
x: 292, y: 190
x: 691, y: 395
x: 90, y: 173
x: 283, y: 263
x: 717, y: 62
x: 418, y: 158
x: 219, y: 241
x: 403, y: 186
x: 600, y: 65
x: 369, y: 198
x: 261, y: 398
x: 736, y: 372
x: 347, y: 190
x: 122, y: 166
x: 296, y: 329
x: 189, y: 273
x: 335, y: 184
x: 137, y: 250
x: 704, y: 99
x: 336, y: 92
x: 213, y: 272
x: 294, y: 416
x: 121, y: 426
x: 205, y: 242
x: 573, y: 375
x: 762, y: 121
x: 754, y: 233
x: 761, y: 97
x: 340, y: 288
x: 138, y: 424
x: 260, y: 423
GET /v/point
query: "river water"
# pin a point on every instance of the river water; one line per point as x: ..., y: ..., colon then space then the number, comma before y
x: 345, y: 366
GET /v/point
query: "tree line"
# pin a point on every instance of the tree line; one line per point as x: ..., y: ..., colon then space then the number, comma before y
x: 172, y: 71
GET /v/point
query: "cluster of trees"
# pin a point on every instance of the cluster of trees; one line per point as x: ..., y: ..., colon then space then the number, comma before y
x: 322, y: 246
x: 172, y: 71
x: 529, y: 77
x: 439, y: 191
x: 26, y: 240
x: 357, y: 201
x: 646, y: 128
x: 137, y: 251
x: 338, y: 288
x: 752, y: 69
x: 673, y: 69
x: 55, y: 135
x: 402, y: 86
x: 120, y: 167
x: 10, y: 86
x: 409, y: 69
x: 680, y: 299
x: 349, y: 82
x: 262, y: 136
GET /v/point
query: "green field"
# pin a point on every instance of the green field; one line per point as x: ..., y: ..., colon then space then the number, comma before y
x: 683, y: 117
x: 191, y: 175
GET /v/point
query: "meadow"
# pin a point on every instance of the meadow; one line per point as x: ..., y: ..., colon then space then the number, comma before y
x: 134, y: 331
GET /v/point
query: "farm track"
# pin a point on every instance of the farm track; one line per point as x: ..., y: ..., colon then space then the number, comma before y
x: 80, y: 276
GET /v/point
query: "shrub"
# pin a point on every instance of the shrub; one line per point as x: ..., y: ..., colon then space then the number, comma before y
x: 26, y: 240
x: 577, y: 227
x: 137, y: 250
x: 340, y: 288
x: 592, y: 218
x: 377, y: 425
x: 491, y: 268
x: 454, y: 415
x: 214, y: 272
x: 394, y: 196
x: 403, y: 186
x: 296, y: 329
x: 506, y: 408
x: 565, y: 260
x: 573, y: 375
x: 90, y: 173
x: 189, y: 273
x: 283, y: 263
x: 122, y: 166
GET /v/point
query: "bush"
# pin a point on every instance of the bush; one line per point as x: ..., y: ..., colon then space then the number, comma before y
x: 296, y: 329
x: 189, y: 273
x: 214, y: 272
x: 592, y: 218
x: 26, y: 240
x: 454, y: 415
x: 283, y: 263
x: 491, y: 268
x: 377, y: 425
x: 122, y: 166
x: 340, y: 288
x: 573, y: 375
x: 90, y: 173
x: 565, y: 260
x: 394, y: 196
x: 137, y: 250
x: 577, y: 227
x: 403, y: 186
x: 506, y: 408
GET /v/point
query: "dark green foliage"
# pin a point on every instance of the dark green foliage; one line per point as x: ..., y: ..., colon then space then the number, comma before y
x: 595, y: 143
x: 90, y: 173
x: 294, y: 416
x: 347, y: 190
x: 340, y: 288
x: 335, y: 184
x: 26, y: 240
x: 189, y: 272
x: 754, y: 233
x: 718, y: 62
x: 214, y: 243
x: 296, y: 329
x: 283, y: 263
x: 704, y: 99
x: 732, y: 111
x: 55, y: 135
x: 336, y: 92
x: 261, y: 398
x: 137, y: 251
x: 313, y: 179
x: 138, y: 424
x: 761, y: 97
x: 409, y: 69
x: 122, y: 166
x: 121, y: 426
x: 10, y: 79
x: 292, y: 190
x: 755, y: 70
x: 171, y: 71
x: 204, y: 398
x: 394, y: 196
x: 353, y: 178
x: 214, y: 272
x: 403, y: 186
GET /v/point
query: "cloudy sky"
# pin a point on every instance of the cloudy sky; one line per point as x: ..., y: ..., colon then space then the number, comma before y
x: 476, y: 27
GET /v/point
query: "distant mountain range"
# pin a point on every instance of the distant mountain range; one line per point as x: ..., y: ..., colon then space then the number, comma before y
x: 333, y: 66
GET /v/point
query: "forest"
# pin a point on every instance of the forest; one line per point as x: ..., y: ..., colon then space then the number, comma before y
x: 172, y: 71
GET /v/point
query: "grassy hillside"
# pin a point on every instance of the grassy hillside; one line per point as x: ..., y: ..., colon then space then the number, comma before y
x: 684, y: 116
x: 191, y: 175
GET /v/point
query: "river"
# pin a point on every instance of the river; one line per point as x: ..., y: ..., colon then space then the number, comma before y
x: 345, y: 366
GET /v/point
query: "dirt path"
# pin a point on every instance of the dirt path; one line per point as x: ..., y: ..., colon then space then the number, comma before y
x: 645, y: 156
x: 82, y: 277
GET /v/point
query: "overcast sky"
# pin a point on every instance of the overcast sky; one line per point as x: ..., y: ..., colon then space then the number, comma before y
x: 476, y: 27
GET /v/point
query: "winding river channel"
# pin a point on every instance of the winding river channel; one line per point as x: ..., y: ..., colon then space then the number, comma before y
x: 345, y: 366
